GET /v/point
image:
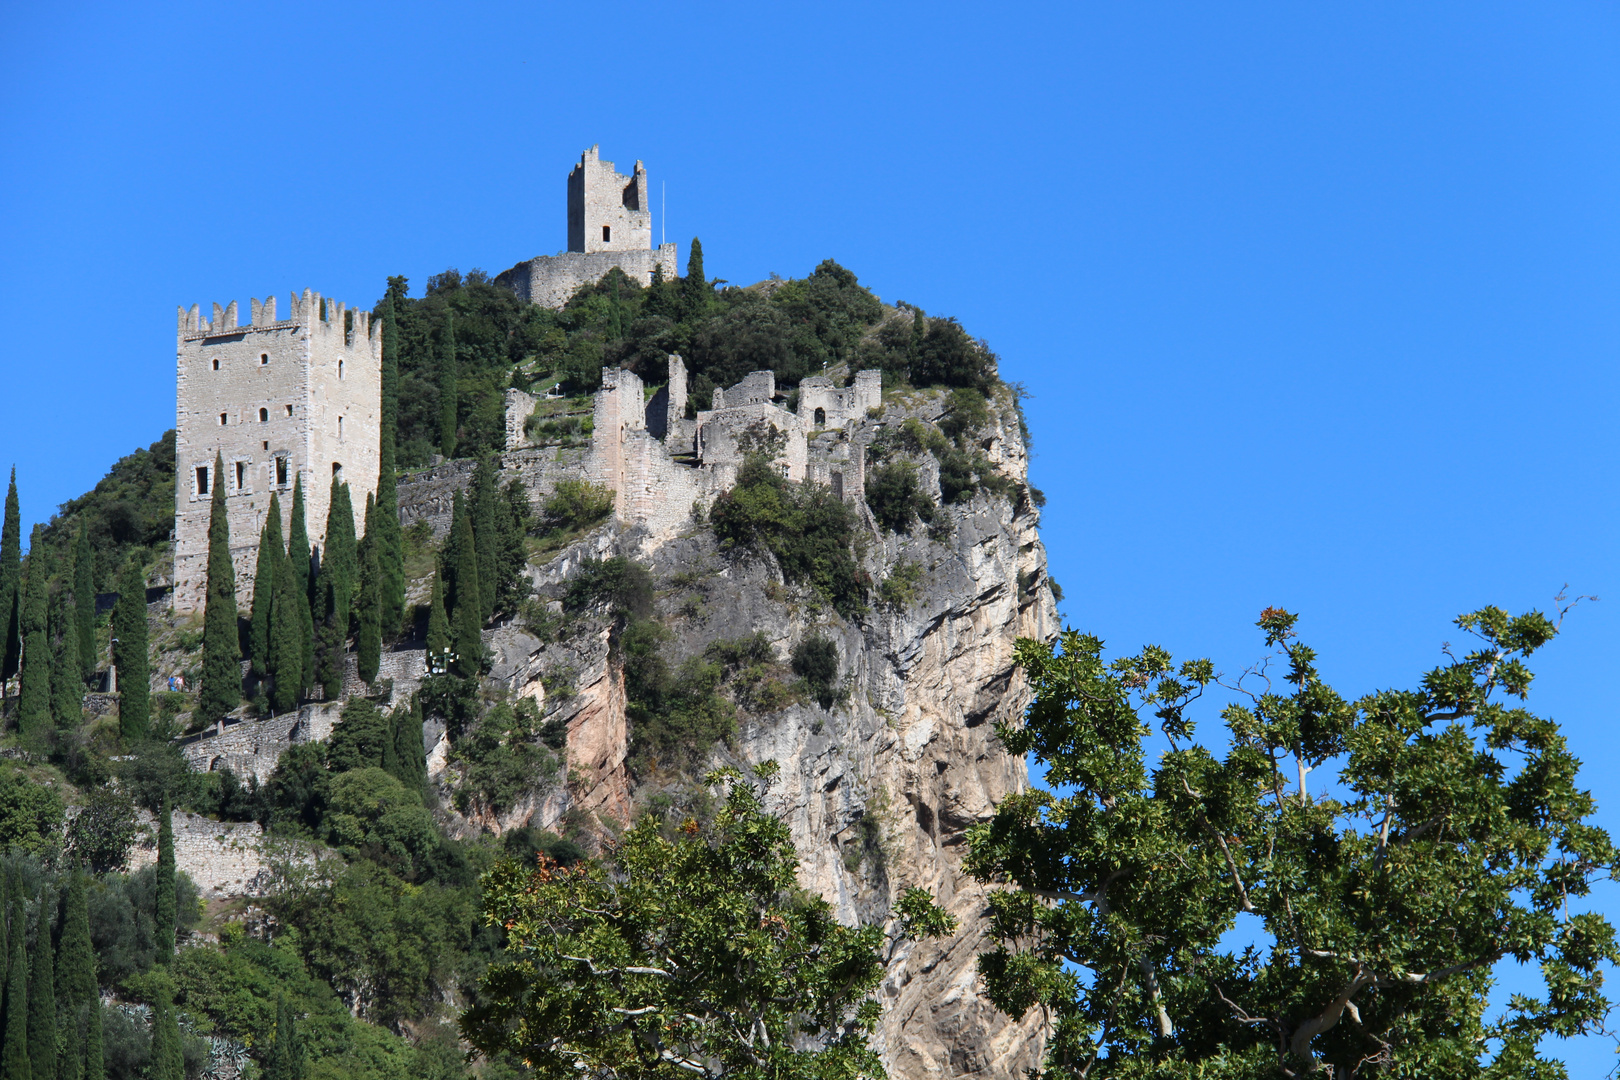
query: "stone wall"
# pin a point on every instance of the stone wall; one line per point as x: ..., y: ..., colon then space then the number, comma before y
x: 252, y: 747
x: 222, y: 858
x: 519, y: 407
x: 549, y: 280
x: 276, y: 400
x: 607, y: 211
x: 427, y: 494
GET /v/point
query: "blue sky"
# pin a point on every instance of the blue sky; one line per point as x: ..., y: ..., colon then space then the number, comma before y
x: 1317, y: 302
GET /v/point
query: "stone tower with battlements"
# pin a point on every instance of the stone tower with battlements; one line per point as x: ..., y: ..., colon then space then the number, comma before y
x: 276, y: 399
x: 609, y: 224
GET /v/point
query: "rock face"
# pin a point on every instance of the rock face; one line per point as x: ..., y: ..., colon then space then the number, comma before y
x: 879, y: 789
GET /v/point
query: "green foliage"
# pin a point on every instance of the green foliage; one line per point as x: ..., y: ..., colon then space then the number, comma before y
x: 163, y: 885
x: 410, y: 756
x: 289, y: 638
x: 691, y: 950
x: 285, y: 1059
x: 503, y: 756
x: 962, y: 472
x: 67, y: 689
x: 14, y: 1064
x: 221, y: 689
x: 1449, y: 835
x: 675, y: 715
x: 576, y: 504
x: 130, y: 511
x: 897, y: 500
x: 899, y: 589
x: 448, y: 388
x: 34, y: 701
x: 11, y: 584
x: 368, y: 599
x: 625, y: 585
x: 300, y: 557
x: 372, y: 815
x: 809, y: 531
x: 334, y: 590
x: 815, y: 660
x: 360, y: 739
x: 270, y: 559
x: 84, y: 599
x: 76, y: 966
x: 103, y: 830
x: 438, y: 627
x: 122, y: 924
x: 42, y: 1037
x: 465, y: 598
x: 168, y: 1057
x: 129, y: 628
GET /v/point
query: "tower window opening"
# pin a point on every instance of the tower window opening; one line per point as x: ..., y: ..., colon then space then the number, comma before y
x: 222, y: 418
x: 340, y: 429
x: 340, y: 369
x: 337, y: 471
x: 267, y: 444
x: 821, y: 418
x: 264, y: 358
x: 216, y: 365
x: 202, y: 479
x: 289, y: 410
x: 241, y: 475
x: 281, y: 470
x: 607, y: 233
x: 264, y: 416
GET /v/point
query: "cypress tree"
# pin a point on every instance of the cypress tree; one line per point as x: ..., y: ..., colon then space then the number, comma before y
x: 14, y: 1053
x: 335, y: 588
x: 410, y: 755
x: 129, y: 627
x: 34, y: 706
x: 163, y: 915
x: 67, y: 689
x: 438, y: 627
x: 95, y: 1062
x: 448, y: 389
x: 287, y: 635
x: 391, y: 546
x: 75, y: 955
x: 42, y: 999
x: 168, y: 1059
x: 695, y: 291
x: 286, y: 1058
x: 84, y: 600
x: 298, y: 552
x: 11, y: 585
x: 221, y: 689
x: 467, y: 597
x: 485, y: 512
x: 271, y: 557
x: 368, y: 640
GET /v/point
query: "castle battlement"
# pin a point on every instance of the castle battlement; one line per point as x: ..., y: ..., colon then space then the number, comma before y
x: 259, y: 405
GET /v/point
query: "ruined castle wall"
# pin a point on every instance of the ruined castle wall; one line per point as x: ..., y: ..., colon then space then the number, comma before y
x: 222, y: 858
x: 607, y: 211
x: 252, y: 747
x: 428, y: 494
x: 840, y: 406
x: 718, y: 431
x: 519, y: 407
x: 550, y: 280
x: 276, y: 399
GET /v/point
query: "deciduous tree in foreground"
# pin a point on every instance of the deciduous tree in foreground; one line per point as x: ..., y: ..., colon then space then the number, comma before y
x: 1444, y: 833
x: 693, y: 957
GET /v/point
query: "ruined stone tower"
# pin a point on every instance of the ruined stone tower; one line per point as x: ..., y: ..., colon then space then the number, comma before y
x: 275, y: 399
x: 609, y: 224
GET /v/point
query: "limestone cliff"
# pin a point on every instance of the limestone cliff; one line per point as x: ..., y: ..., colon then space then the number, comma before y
x: 880, y: 788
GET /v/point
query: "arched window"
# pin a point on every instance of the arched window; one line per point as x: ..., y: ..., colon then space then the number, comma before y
x: 340, y: 369
x: 821, y: 418
x: 216, y: 364
x: 289, y: 410
x: 264, y: 416
x: 264, y: 358
x: 337, y: 472
x: 340, y: 429
x: 222, y: 418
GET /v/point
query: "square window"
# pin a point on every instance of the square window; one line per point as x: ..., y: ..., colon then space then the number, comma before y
x: 222, y: 417
x: 289, y: 410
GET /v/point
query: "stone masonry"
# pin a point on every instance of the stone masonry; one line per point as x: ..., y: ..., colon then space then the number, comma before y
x: 609, y: 224
x: 276, y: 399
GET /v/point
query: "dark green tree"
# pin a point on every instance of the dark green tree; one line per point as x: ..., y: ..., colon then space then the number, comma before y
x: 163, y: 888
x: 438, y: 627
x: 11, y: 585
x: 95, y: 1066
x: 67, y: 689
x: 486, y: 513
x: 168, y: 1057
x: 75, y: 955
x: 14, y: 1063
x: 466, y: 597
x: 335, y: 590
x: 285, y: 1061
x: 129, y: 653
x: 390, y: 540
x: 448, y: 391
x: 271, y: 558
x: 695, y: 290
x: 410, y: 755
x: 515, y: 516
x: 42, y: 1040
x: 1447, y: 834
x: 84, y: 600
x: 368, y: 636
x: 221, y: 689
x: 34, y: 704
x: 300, y: 557
x: 289, y: 635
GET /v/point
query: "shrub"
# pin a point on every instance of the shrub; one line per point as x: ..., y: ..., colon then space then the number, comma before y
x: 897, y: 500
x: 576, y: 504
x: 815, y: 660
x: 899, y: 589
x: 502, y: 759
x: 626, y: 585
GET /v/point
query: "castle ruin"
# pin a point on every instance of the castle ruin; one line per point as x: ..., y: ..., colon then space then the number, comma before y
x: 609, y: 224
x: 274, y: 399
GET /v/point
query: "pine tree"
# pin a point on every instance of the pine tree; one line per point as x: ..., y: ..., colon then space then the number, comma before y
x: 448, y: 390
x: 271, y: 557
x: 287, y: 635
x: 11, y: 585
x: 14, y: 1053
x: 42, y: 1040
x: 300, y: 557
x: 129, y: 628
x: 695, y: 291
x: 168, y: 1058
x: 485, y: 512
x: 368, y: 641
x: 84, y: 600
x: 410, y: 755
x: 391, y: 547
x: 75, y: 955
x: 466, y: 600
x: 438, y: 628
x: 67, y: 689
x: 221, y: 689
x: 163, y: 916
x: 34, y: 705
x: 286, y: 1058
